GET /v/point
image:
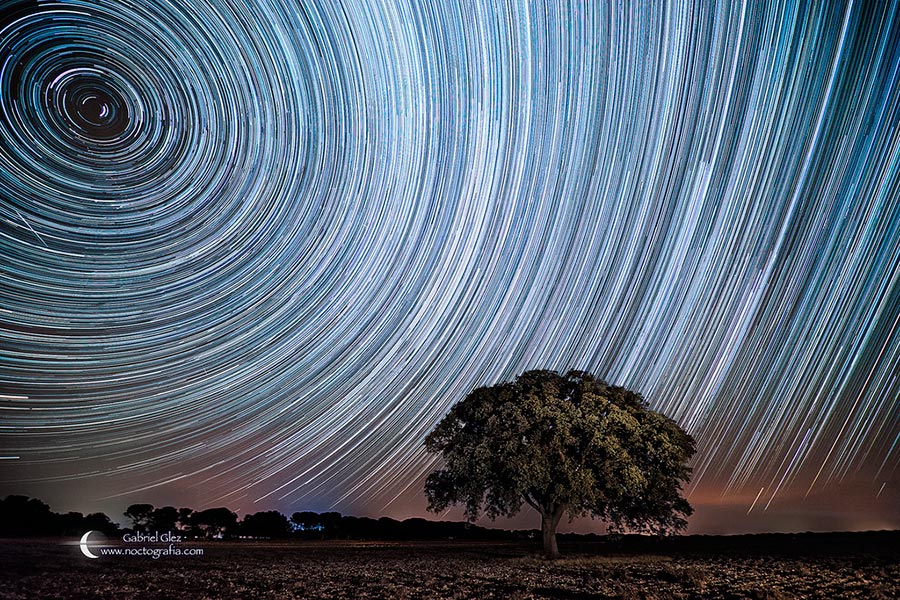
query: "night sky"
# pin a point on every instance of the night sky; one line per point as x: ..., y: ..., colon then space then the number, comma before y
x: 252, y: 251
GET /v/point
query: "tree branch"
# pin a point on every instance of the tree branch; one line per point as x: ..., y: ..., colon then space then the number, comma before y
x: 531, y: 502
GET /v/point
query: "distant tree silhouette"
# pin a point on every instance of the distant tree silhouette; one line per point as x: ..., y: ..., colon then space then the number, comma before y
x: 24, y: 516
x: 307, y: 522
x: 185, y: 520
x: 562, y: 444
x: 100, y: 522
x: 360, y: 528
x: 267, y: 524
x: 164, y: 519
x: 214, y: 522
x: 333, y: 524
x: 21, y: 516
x: 141, y: 516
x: 71, y: 523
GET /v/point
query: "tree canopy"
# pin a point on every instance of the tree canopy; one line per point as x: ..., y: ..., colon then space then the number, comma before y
x: 563, y: 444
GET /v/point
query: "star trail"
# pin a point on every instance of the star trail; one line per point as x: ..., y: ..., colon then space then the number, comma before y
x: 252, y: 252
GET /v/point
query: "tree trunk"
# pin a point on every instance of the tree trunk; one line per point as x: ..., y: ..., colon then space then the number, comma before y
x: 549, y: 521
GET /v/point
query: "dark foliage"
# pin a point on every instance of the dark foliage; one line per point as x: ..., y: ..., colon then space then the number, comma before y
x: 21, y: 516
x: 563, y: 444
x: 99, y: 522
x: 164, y: 519
x: 267, y: 524
x: 214, y: 523
x: 140, y: 515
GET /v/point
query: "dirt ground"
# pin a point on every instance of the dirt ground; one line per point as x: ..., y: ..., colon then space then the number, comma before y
x: 364, y: 570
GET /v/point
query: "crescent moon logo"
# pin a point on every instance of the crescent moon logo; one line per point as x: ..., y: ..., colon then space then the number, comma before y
x: 83, y: 544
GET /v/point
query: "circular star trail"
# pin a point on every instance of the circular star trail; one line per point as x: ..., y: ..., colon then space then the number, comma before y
x: 253, y: 251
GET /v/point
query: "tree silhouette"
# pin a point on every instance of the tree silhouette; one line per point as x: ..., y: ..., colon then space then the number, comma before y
x: 71, y: 523
x: 306, y: 521
x: 185, y: 522
x: 215, y: 522
x: 266, y: 524
x: 140, y: 515
x: 563, y: 444
x: 164, y: 519
x: 100, y: 522
x: 21, y: 516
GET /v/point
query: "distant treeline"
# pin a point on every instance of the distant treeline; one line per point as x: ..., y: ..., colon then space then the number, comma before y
x: 21, y: 516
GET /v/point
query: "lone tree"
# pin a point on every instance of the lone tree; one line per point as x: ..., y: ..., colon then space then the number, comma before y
x: 562, y: 444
